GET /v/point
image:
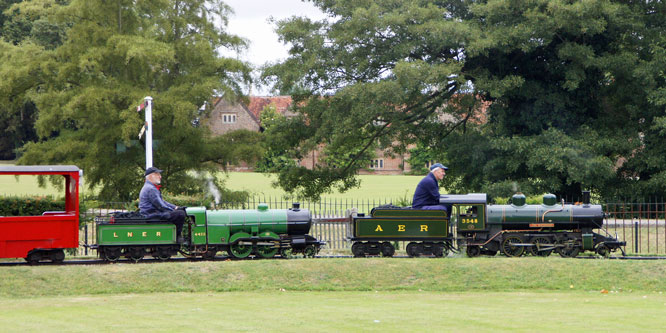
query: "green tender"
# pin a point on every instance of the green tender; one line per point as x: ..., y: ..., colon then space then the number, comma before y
x: 401, y: 228
x: 120, y: 234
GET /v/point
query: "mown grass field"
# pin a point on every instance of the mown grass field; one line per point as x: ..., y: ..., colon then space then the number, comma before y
x: 258, y: 184
x: 372, y: 294
x: 288, y: 311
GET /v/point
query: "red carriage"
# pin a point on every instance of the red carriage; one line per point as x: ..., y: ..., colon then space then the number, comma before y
x: 46, y: 236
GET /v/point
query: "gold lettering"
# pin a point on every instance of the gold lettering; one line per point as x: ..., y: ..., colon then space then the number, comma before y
x: 114, y: 235
x: 401, y: 227
x: 130, y: 234
x: 379, y: 228
x: 144, y: 234
x: 158, y: 234
x: 424, y: 227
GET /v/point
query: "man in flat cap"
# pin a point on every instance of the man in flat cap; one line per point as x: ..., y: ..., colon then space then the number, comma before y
x: 152, y: 205
x: 426, y: 195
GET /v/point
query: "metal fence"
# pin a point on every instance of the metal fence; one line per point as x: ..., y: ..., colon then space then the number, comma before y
x: 641, y: 225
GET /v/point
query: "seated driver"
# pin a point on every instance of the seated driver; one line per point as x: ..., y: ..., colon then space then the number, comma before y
x: 152, y: 205
x: 426, y: 195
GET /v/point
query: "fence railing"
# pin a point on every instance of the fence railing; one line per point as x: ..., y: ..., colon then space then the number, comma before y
x: 641, y: 225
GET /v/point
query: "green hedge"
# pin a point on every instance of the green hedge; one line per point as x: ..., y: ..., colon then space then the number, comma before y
x: 29, y: 206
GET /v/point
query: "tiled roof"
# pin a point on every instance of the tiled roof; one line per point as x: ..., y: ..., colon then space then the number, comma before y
x: 257, y: 104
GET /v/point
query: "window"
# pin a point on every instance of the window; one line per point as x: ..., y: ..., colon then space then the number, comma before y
x: 228, y: 118
x: 377, y: 164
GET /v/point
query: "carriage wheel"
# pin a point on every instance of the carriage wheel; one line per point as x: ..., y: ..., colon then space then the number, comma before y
x: 541, y: 242
x: 111, y: 253
x: 136, y: 253
x: 438, y: 250
x: 388, y: 250
x: 358, y: 250
x: 413, y: 250
x: 509, y: 247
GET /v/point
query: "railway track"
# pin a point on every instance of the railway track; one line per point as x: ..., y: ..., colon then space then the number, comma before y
x: 224, y: 258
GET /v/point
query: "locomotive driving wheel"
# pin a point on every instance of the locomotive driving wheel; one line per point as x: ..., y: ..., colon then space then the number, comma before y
x: 510, y: 246
x: 388, y: 250
x: 240, y: 251
x: 267, y: 251
x: 569, y: 248
x: 539, y: 244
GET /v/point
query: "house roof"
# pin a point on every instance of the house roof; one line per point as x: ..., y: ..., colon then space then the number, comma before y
x: 257, y: 104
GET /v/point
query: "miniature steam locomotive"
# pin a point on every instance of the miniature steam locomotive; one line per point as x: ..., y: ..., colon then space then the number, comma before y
x: 262, y: 232
x: 483, y: 229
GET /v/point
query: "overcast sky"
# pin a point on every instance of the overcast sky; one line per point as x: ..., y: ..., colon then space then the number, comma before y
x: 251, y: 21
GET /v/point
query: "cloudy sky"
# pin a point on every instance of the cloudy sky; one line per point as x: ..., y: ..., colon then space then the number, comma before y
x: 251, y: 21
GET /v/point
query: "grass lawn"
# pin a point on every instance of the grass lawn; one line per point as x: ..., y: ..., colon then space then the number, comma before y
x: 371, y: 294
x: 372, y: 186
x: 286, y: 311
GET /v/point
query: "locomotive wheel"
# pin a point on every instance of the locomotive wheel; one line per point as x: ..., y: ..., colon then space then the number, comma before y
x: 267, y: 251
x: 111, y: 253
x: 511, y: 250
x: 388, y: 250
x: 540, y: 242
x: 309, y: 251
x: 603, y: 250
x: 238, y: 250
x: 570, y: 248
x: 287, y: 252
x: 413, y: 250
x: 358, y: 250
x: 473, y: 251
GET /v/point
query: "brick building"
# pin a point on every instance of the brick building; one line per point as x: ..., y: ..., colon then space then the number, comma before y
x: 226, y: 117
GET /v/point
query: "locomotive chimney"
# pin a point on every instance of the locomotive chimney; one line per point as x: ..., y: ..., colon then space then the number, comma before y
x: 296, y: 206
x: 586, y: 197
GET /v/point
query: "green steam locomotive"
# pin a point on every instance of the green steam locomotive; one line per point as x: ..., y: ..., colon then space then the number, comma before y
x: 514, y: 229
x: 263, y: 233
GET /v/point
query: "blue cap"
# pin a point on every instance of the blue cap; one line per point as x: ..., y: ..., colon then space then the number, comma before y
x: 438, y: 165
x: 151, y: 170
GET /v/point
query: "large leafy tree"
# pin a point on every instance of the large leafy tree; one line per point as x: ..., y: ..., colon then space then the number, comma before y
x: 575, y: 88
x: 114, y: 53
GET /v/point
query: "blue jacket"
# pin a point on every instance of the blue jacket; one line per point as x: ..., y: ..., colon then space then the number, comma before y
x: 427, y: 192
x: 151, y: 203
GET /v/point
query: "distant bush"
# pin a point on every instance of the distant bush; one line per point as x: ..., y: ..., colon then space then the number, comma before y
x: 29, y: 206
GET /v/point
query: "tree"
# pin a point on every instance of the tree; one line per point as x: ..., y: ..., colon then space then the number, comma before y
x: 114, y: 54
x: 575, y: 91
